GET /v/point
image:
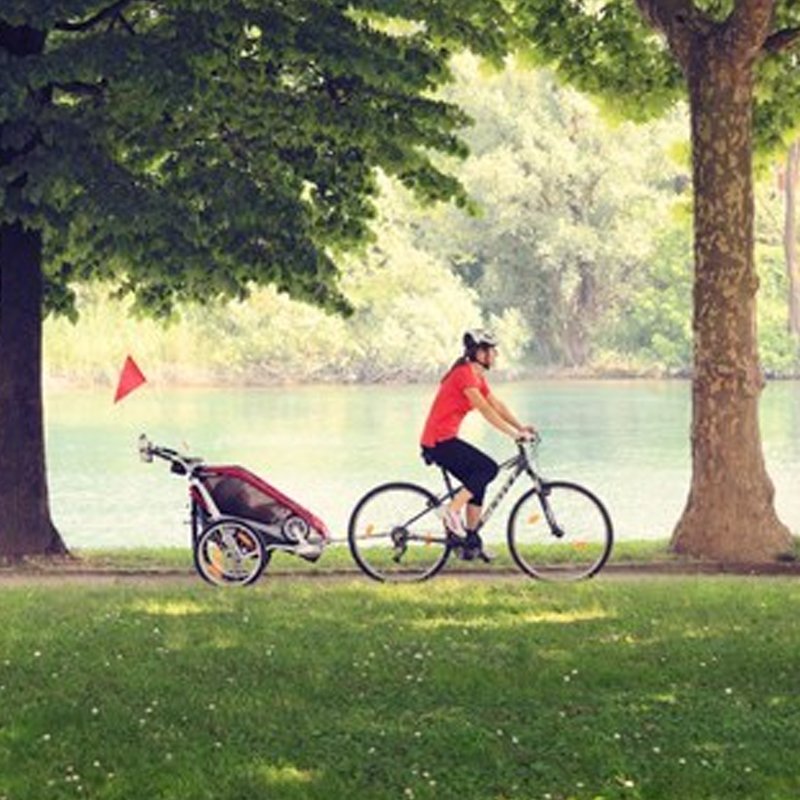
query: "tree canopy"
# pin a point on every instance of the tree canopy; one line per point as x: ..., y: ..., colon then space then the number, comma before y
x: 561, y: 192
x: 187, y: 149
x: 612, y: 49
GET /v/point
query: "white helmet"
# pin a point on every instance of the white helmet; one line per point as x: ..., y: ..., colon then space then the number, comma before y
x: 478, y: 337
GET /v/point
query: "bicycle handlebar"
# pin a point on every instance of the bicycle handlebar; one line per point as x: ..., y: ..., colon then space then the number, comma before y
x: 527, y: 448
x: 180, y: 462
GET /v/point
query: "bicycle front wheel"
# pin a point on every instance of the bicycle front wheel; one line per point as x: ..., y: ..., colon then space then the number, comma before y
x: 395, y: 535
x: 561, y: 533
x: 230, y: 553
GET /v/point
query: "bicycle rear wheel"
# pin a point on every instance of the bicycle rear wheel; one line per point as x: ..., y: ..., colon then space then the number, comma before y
x: 561, y: 533
x: 394, y: 534
x: 230, y: 552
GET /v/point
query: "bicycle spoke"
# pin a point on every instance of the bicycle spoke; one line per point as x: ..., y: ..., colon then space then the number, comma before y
x: 393, y: 534
x: 229, y: 552
x: 563, y: 534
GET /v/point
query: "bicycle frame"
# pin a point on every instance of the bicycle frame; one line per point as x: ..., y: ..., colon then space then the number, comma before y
x: 521, y: 463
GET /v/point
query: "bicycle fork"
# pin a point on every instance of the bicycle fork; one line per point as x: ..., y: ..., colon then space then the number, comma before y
x: 543, y: 493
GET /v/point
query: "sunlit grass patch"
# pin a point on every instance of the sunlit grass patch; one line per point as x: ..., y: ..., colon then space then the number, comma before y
x: 280, y: 775
x: 174, y: 608
x: 520, y: 619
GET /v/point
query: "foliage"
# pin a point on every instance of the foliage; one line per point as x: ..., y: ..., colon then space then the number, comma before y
x: 222, y: 144
x: 429, y: 272
x: 605, y: 49
x: 780, y: 352
x: 532, y: 229
x: 316, y: 690
x: 653, y: 326
x: 406, y: 325
x: 408, y: 314
x: 571, y: 206
x: 653, y: 323
x: 609, y: 50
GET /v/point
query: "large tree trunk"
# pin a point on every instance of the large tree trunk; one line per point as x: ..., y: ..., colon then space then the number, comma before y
x: 730, y: 513
x: 790, y: 237
x: 25, y: 523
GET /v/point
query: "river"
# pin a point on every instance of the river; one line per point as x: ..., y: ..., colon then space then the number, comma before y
x: 325, y: 445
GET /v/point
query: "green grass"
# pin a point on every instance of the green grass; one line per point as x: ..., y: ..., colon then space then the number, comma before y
x: 337, y: 557
x: 504, y: 690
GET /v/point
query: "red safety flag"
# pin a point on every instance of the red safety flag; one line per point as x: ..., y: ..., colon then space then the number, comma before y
x: 130, y: 378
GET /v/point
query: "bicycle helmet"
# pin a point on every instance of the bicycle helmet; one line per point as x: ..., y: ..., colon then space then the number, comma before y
x: 474, y: 340
x: 478, y: 337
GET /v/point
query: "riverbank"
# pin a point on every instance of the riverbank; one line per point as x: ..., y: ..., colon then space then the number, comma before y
x: 181, y: 378
x: 176, y: 377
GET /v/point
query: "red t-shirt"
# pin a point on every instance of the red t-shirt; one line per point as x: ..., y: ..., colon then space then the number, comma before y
x: 451, y: 404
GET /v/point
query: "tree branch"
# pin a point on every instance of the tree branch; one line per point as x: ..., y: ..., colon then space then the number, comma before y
x: 125, y: 24
x: 679, y: 20
x: 664, y: 15
x: 112, y: 11
x: 781, y: 40
x: 748, y: 26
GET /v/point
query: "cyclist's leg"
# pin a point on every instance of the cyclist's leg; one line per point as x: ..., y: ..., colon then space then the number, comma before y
x: 474, y: 513
x: 483, y: 471
x: 475, y: 470
x: 445, y: 455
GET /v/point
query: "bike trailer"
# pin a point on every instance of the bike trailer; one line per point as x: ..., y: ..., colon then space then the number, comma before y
x: 237, y: 492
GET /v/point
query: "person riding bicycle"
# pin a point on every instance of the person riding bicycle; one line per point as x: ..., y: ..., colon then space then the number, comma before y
x: 462, y: 389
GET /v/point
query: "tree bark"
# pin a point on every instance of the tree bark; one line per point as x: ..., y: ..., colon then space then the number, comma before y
x: 730, y: 514
x: 581, y: 316
x: 25, y: 523
x: 26, y: 527
x: 790, y: 237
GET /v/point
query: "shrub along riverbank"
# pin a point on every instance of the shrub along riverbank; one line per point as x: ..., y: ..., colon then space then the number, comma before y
x: 609, y: 689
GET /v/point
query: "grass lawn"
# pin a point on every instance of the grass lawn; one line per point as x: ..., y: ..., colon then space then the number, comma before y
x: 658, y: 688
x: 336, y: 557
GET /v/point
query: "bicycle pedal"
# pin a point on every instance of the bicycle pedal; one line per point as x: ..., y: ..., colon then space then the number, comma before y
x: 475, y: 554
x: 465, y: 553
x: 454, y: 542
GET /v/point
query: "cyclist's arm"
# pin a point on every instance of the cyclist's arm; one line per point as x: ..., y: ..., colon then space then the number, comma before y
x: 480, y: 403
x: 503, y: 410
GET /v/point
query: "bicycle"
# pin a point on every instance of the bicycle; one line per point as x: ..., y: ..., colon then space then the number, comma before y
x: 557, y: 530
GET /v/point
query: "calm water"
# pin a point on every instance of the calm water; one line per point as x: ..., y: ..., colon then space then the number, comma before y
x: 325, y: 446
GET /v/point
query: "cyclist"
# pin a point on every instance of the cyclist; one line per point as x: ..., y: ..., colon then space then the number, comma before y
x: 463, y: 388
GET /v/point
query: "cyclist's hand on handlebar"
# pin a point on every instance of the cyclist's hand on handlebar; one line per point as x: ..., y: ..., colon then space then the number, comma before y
x: 527, y: 434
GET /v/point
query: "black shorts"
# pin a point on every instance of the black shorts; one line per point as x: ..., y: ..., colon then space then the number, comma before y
x: 471, y: 466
